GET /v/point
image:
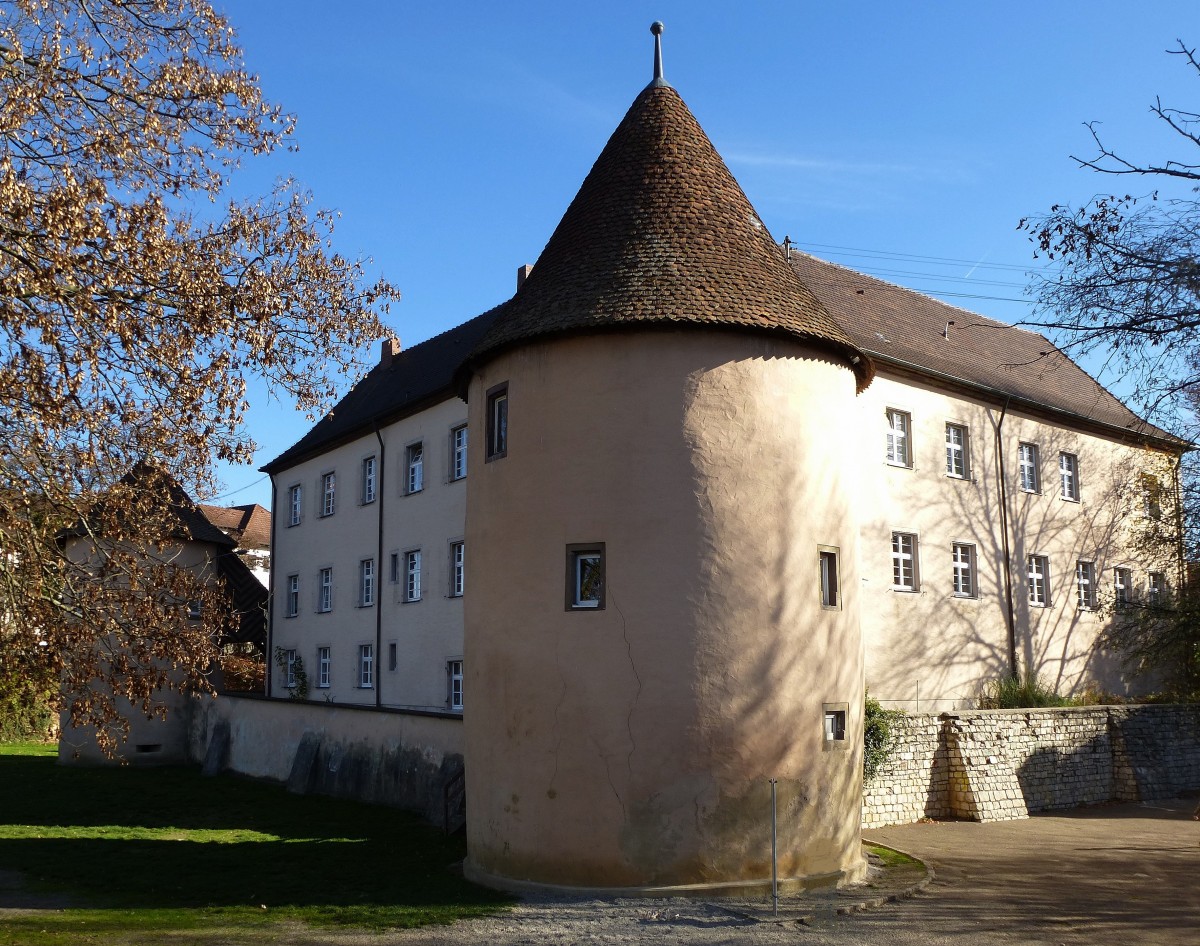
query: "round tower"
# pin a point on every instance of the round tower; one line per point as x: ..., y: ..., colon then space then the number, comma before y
x: 662, y: 540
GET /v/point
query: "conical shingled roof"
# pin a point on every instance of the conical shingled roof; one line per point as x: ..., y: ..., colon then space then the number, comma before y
x: 661, y: 233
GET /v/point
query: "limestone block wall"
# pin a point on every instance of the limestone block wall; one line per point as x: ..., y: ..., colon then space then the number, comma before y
x: 997, y: 765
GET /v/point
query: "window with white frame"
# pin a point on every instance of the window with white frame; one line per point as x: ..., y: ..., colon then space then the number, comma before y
x: 412, y: 575
x: 1157, y: 588
x: 366, y: 582
x: 1030, y: 474
x: 1037, y: 572
x: 366, y: 666
x: 369, y: 477
x: 899, y: 424
x: 324, y: 663
x: 1068, y: 474
x: 585, y: 577
x: 1122, y: 587
x: 458, y: 452
x: 904, y: 561
x: 830, y: 589
x: 457, y: 564
x: 292, y: 595
x: 1085, y: 584
x: 958, y: 462
x: 497, y: 422
x: 963, y: 559
x: 835, y: 724
x: 454, y: 678
x: 325, y: 590
x: 295, y: 505
x: 416, y: 468
x: 328, y: 483
x: 289, y: 668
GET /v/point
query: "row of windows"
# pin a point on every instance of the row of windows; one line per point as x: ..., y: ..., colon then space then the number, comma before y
x: 958, y: 456
x: 906, y: 575
x: 365, y: 671
x: 414, y: 478
x: 404, y: 569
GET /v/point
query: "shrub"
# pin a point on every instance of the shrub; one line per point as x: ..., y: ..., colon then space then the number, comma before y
x: 879, y: 739
x: 1027, y: 691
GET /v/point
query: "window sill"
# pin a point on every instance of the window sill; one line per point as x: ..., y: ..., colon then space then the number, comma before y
x: 898, y: 466
x: 292, y: 525
x: 964, y: 597
x: 414, y: 492
x: 410, y: 600
x: 905, y: 591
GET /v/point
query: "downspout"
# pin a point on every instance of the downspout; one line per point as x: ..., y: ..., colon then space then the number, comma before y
x: 380, y: 496
x: 271, y: 585
x: 1008, y: 583
x: 1177, y: 486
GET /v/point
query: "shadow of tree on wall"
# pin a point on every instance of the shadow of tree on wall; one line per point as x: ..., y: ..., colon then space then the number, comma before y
x: 949, y: 647
x: 1055, y: 777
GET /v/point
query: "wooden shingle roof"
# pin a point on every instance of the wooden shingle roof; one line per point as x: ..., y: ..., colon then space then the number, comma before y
x: 661, y: 233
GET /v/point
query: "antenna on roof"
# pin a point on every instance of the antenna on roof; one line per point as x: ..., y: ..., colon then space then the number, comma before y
x: 657, y: 29
x: 946, y: 330
x: 787, y: 247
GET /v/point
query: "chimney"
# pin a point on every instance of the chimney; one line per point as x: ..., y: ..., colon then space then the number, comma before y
x: 523, y: 274
x: 387, y: 351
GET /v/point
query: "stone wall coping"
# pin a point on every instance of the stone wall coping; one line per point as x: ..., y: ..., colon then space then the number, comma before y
x: 335, y: 705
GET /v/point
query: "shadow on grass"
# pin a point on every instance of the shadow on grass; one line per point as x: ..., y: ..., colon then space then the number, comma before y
x: 166, y: 838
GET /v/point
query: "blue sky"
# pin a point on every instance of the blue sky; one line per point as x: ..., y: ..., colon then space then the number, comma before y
x: 906, y: 140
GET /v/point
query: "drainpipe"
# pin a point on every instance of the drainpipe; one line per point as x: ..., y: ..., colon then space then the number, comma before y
x: 1177, y: 486
x: 271, y: 582
x: 380, y: 495
x: 1008, y: 582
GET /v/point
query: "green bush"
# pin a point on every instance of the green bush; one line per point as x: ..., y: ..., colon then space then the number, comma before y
x: 878, y: 737
x: 1027, y: 691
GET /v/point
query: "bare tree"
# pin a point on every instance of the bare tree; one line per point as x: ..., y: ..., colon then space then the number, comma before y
x: 135, y: 301
x: 1125, y: 273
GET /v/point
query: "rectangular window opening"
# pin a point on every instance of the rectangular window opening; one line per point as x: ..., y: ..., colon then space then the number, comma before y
x: 458, y: 452
x: 1038, y: 575
x: 1068, y: 474
x: 1027, y: 454
x: 1085, y: 584
x: 585, y: 577
x: 366, y: 666
x: 957, y: 454
x: 963, y: 556
x: 454, y: 674
x: 904, y: 562
x: 325, y: 592
x: 412, y: 575
x: 1122, y: 587
x: 324, y: 663
x: 830, y: 589
x: 368, y: 480
x: 328, y: 483
x: 366, y: 582
x: 497, y: 422
x: 392, y: 655
x: 293, y: 595
x: 899, y: 424
x: 457, y: 568
x: 416, y: 468
x: 295, y: 505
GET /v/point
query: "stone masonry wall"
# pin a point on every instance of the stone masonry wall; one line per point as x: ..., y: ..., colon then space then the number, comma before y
x: 997, y: 765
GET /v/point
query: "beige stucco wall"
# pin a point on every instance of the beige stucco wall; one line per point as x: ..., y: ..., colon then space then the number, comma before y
x: 427, y: 632
x: 940, y: 649
x: 632, y: 746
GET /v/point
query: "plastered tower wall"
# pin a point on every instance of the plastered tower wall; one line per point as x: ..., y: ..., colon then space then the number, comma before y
x: 631, y: 746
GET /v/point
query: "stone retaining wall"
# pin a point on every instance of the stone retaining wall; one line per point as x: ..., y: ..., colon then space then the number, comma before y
x: 412, y: 760
x: 997, y: 765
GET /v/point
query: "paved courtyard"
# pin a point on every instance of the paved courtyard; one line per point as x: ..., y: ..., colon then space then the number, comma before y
x: 1127, y: 875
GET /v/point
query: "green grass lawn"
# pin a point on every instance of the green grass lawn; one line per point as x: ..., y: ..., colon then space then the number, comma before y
x: 142, y: 852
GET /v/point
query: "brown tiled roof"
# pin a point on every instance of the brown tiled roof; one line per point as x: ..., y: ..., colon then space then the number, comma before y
x: 908, y: 328
x: 661, y: 233
x: 416, y: 378
x: 249, y: 525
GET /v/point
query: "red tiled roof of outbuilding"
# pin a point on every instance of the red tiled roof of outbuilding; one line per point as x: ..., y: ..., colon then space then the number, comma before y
x: 661, y: 233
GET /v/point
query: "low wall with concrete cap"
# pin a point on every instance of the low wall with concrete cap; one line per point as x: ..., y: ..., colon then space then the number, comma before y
x: 997, y: 765
x: 403, y: 758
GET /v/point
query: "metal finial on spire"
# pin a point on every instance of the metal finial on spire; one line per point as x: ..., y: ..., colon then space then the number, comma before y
x: 657, y: 29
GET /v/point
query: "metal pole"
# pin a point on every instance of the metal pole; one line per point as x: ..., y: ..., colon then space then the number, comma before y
x: 774, y: 851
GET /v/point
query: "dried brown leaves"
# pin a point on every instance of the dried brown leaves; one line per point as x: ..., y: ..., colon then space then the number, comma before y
x: 130, y: 320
